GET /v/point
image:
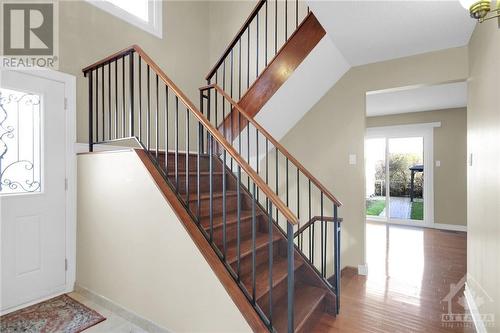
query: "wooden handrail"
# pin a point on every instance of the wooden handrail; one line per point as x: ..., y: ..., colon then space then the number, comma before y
x: 276, y: 144
x: 313, y: 220
x: 279, y: 204
x: 109, y: 58
x: 244, y: 27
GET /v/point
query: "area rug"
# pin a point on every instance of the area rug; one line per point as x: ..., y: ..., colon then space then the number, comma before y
x: 58, y: 314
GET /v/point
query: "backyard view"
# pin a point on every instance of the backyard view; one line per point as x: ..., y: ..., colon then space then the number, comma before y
x: 405, y: 178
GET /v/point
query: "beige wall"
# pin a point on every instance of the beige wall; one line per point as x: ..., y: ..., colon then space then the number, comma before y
x: 225, y: 19
x: 88, y: 34
x: 483, y: 142
x: 133, y: 250
x: 335, y: 127
x: 450, y: 148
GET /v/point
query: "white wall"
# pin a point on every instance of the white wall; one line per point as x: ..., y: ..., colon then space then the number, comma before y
x: 133, y: 250
x: 483, y: 197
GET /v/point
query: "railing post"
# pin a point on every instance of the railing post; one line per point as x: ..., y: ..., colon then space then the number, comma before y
x: 336, y: 236
x: 131, y: 97
x: 290, y: 277
x: 91, y: 119
x: 202, y: 96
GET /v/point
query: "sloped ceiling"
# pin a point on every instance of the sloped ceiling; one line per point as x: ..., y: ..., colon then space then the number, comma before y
x: 373, y: 31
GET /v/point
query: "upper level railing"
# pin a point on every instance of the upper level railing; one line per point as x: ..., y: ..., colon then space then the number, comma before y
x: 259, y: 40
x: 303, y: 193
x: 131, y: 98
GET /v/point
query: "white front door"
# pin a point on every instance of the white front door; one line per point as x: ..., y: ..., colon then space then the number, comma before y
x: 32, y: 188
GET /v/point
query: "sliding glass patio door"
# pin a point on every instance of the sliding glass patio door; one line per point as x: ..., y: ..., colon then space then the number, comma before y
x: 398, y: 171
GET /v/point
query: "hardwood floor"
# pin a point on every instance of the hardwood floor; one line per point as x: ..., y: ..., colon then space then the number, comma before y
x: 410, y: 272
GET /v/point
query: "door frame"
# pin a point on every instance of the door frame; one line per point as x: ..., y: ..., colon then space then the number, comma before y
x: 425, y: 130
x: 69, y: 82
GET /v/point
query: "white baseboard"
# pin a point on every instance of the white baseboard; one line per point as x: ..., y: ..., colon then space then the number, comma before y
x: 476, y: 316
x: 452, y: 227
x: 440, y: 226
x: 363, y: 269
x: 84, y: 147
x: 134, y: 318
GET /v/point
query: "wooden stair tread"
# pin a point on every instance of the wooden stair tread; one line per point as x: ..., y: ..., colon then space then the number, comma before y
x: 261, y: 240
x: 231, y: 218
x: 206, y: 195
x: 280, y: 273
x: 307, y: 299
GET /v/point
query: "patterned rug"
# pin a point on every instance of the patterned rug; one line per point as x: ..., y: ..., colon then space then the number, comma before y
x: 59, y: 314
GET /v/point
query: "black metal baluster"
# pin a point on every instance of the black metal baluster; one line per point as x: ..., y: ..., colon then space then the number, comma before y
x: 177, y: 143
x: 123, y: 98
x: 257, y: 159
x: 286, y: 20
x: 140, y: 99
x: 248, y: 150
x: 286, y: 181
x: 116, y: 99
x: 211, y: 186
x: 275, y: 27
x: 231, y: 116
x: 270, y: 269
x: 311, y: 227
x: 257, y: 49
x: 296, y: 13
x: 267, y: 169
x: 187, y: 157
x: 224, y: 104
x: 239, y: 132
x: 254, y: 231
x: 148, y: 116
x: 224, y: 217
x: 301, y: 238
x: 109, y: 101
x: 102, y: 103
x: 131, y: 97
x: 97, y: 105
x: 200, y: 147
x: 291, y: 275
x: 91, y: 111
x: 265, y: 38
x: 166, y: 129
x: 157, y: 119
x: 238, y: 221
x: 322, y: 238
x: 276, y: 183
x: 239, y: 70
x: 248, y: 60
x: 217, y: 103
x: 231, y: 89
x: 336, y: 236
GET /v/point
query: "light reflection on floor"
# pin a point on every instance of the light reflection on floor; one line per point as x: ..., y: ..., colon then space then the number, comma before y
x: 395, y: 258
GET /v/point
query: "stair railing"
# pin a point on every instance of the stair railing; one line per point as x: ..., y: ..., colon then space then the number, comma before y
x: 259, y: 40
x: 131, y: 100
x: 303, y: 193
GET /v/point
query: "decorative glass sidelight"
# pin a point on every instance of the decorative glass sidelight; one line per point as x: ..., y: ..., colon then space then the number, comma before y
x: 20, y: 142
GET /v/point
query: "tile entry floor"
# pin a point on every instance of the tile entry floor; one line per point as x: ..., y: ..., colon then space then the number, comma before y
x: 113, y: 323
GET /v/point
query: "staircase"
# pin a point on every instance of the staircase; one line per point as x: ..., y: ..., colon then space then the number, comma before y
x: 273, y: 41
x: 272, y: 225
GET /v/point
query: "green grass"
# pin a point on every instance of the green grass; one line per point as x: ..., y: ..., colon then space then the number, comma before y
x: 374, y: 207
x: 417, y: 210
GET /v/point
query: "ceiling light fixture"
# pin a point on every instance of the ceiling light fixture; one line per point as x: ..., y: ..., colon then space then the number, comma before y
x: 482, y: 10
